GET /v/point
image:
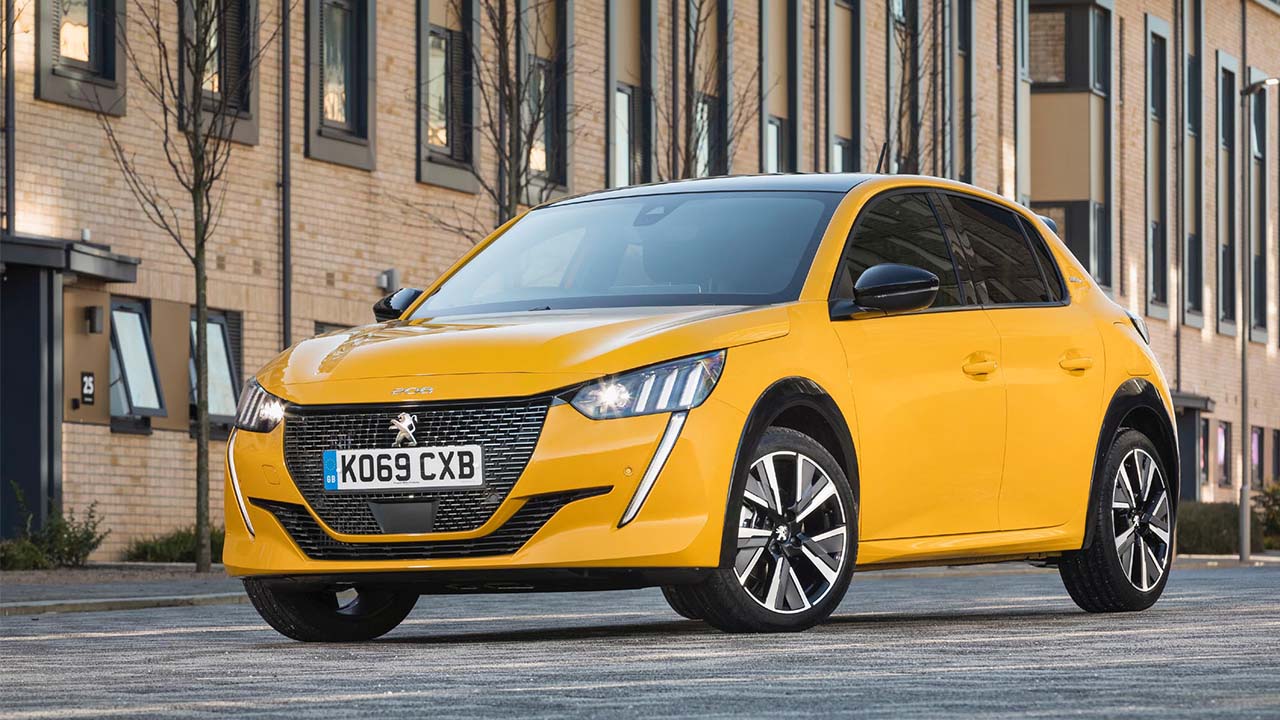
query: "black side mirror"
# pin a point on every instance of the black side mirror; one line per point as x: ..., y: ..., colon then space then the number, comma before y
x: 890, y: 288
x: 394, y: 305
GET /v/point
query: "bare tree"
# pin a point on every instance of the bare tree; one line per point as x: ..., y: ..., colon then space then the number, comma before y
x: 519, y: 64
x: 177, y: 52
x: 687, y: 115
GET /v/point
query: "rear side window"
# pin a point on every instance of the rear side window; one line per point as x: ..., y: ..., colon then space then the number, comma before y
x: 1049, y: 266
x: 1004, y: 270
x: 899, y: 228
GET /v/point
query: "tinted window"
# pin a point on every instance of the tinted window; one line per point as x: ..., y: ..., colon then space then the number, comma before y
x: 721, y: 248
x: 900, y: 228
x: 1048, y: 265
x: 1004, y: 270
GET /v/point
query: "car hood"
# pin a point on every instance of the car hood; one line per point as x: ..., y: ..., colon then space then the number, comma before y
x: 565, y: 345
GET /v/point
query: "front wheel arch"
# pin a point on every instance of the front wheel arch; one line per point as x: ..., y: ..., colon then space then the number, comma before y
x: 1136, y: 405
x: 803, y: 405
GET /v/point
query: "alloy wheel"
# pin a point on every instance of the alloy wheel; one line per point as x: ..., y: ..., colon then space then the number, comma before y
x: 792, y: 533
x: 1141, y: 519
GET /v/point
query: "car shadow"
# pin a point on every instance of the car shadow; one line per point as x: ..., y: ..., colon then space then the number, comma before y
x: 676, y: 628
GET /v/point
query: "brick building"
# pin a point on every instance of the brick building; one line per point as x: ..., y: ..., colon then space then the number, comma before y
x: 1121, y: 119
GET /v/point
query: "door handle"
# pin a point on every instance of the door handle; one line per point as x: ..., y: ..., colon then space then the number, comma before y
x: 1073, y: 361
x: 979, y: 364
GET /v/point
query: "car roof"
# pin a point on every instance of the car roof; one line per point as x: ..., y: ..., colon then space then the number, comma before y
x: 795, y: 182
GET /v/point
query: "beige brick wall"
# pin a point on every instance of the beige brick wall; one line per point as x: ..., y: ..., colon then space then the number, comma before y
x: 349, y: 224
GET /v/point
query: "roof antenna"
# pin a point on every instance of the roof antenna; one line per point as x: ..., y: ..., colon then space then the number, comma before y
x: 884, y: 150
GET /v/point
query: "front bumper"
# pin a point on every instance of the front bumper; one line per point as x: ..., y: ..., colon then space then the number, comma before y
x: 562, y: 512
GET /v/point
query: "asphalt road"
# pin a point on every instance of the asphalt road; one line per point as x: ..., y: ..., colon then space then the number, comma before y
x: 958, y: 644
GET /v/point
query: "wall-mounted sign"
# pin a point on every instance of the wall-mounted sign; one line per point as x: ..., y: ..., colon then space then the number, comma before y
x: 87, y: 388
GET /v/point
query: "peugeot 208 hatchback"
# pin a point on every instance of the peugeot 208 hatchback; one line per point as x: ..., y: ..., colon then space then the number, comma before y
x: 737, y: 389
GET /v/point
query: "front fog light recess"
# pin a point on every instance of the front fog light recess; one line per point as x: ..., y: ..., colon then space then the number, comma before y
x: 669, y: 387
x: 258, y: 410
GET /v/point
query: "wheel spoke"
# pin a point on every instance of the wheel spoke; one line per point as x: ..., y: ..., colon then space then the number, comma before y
x: 1121, y: 499
x: 1127, y: 484
x: 1156, y: 565
x: 795, y: 591
x: 1159, y: 532
x: 1140, y: 548
x: 771, y: 481
x: 1147, y: 476
x: 741, y: 569
x: 777, y: 582
x: 815, y: 500
x: 821, y: 561
x: 753, y: 537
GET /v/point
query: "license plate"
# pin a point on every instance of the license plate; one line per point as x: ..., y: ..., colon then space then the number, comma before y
x: 420, y: 468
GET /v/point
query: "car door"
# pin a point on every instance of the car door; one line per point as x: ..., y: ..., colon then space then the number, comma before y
x: 1052, y: 360
x: 927, y: 386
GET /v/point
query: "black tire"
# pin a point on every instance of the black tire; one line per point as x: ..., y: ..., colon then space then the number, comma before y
x: 318, y: 616
x: 677, y: 598
x: 724, y: 602
x: 1096, y: 577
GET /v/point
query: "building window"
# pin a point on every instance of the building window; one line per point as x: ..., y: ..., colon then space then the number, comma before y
x: 446, y: 108
x: 629, y: 147
x: 1202, y: 458
x: 1224, y: 454
x: 1157, y: 168
x: 1100, y: 26
x: 709, y: 151
x: 340, y: 82
x: 775, y: 145
x: 1226, y: 184
x: 845, y: 84
x: 1258, y: 200
x: 224, y: 339
x: 964, y: 72
x: 1255, y: 456
x: 1275, y: 456
x: 135, y: 386
x: 229, y: 92
x: 546, y: 159
x: 79, y: 56
x: 323, y: 328
x: 842, y: 158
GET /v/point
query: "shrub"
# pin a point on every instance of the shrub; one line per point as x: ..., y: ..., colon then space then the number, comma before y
x: 64, y: 541
x: 1213, y: 529
x: 1266, y: 507
x: 176, y: 546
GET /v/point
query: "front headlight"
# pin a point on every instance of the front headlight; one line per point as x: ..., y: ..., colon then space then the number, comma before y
x: 671, y: 386
x: 258, y: 410
x: 1140, y: 325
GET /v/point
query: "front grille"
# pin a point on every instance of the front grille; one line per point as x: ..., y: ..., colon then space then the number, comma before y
x: 316, y: 544
x: 506, y: 430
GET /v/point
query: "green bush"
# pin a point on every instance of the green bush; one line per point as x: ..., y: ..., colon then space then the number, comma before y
x: 1266, y: 507
x: 62, y: 542
x: 177, y: 546
x: 1213, y: 529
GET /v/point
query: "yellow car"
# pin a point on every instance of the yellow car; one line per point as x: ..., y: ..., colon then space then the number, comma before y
x: 737, y: 389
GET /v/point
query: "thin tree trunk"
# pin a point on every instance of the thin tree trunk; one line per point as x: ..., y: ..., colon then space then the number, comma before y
x: 203, y: 540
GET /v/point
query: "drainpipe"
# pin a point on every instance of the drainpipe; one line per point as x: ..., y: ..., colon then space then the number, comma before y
x: 10, y: 166
x: 286, y: 186
x: 1179, y: 145
x: 817, y: 90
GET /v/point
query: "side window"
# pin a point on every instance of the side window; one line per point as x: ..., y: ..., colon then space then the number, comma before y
x: 899, y: 228
x: 1004, y: 270
x: 1048, y: 266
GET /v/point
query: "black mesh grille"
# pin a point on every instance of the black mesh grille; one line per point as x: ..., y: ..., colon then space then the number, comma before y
x: 514, y: 533
x: 506, y: 430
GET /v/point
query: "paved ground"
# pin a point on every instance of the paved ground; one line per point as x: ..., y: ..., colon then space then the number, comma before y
x: 909, y: 644
x: 109, y: 582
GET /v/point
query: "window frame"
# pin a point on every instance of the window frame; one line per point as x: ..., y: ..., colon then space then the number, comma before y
x: 448, y: 167
x: 353, y: 146
x: 963, y: 279
x: 1226, y: 141
x: 780, y: 155
x: 72, y: 83
x: 635, y: 129
x: 219, y: 318
x: 138, y: 417
x: 237, y: 122
x: 1222, y: 443
x: 966, y: 252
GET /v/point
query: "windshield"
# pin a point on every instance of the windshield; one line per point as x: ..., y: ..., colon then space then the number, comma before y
x: 724, y: 248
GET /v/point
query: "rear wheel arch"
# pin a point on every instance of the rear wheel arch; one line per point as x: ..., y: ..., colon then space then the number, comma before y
x: 800, y: 404
x: 1135, y: 405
